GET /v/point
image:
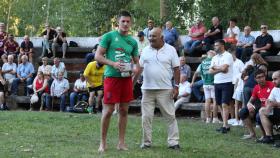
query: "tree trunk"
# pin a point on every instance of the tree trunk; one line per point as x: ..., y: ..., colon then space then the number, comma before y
x: 163, y: 11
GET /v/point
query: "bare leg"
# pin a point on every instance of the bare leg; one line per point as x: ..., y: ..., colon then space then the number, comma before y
x: 207, y: 109
x: 215, y: 109
x: 105, y: 122
x: 267, y: 126
x: 123, y: 110
x: 248, y: 123
x: 225, y: 114
x: 236, y: 106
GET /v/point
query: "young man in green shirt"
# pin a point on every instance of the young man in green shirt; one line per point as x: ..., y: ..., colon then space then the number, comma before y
x: 208, y: 86
x: 119, y: 49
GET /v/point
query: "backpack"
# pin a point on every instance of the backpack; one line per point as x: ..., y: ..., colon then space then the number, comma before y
x: 80, y: 107
x: 73, y: 44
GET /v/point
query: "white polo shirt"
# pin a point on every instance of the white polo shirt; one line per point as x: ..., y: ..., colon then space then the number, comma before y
x: 158, y: 66
x: 219, y: 60
x: 275, y: 94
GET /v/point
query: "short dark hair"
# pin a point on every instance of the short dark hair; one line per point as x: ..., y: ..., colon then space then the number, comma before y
x: 221, y: 41
x: 233, y: 19
x: 124, y: 13
x: 258, y: 71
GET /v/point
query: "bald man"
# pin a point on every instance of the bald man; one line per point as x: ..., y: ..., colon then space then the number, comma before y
x: 159, y: 58
x: 270, y: 114
x: 26, y: 48
x: 170, y: 34
x: 213, y: 34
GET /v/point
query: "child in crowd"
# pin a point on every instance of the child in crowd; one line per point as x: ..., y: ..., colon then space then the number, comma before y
x: 184, y: 92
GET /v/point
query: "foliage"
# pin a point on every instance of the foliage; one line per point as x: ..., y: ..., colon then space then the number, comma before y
x: 53, y: 134
x: 94, y: 17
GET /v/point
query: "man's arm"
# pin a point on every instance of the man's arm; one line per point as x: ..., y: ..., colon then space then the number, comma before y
x: 137, y: 71
x: 176, y: 74
x: 217, y: 69
x: 99, y: 57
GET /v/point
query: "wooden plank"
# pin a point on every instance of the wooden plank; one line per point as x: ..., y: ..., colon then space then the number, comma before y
x: 272, y: 59
x: 193, y: 106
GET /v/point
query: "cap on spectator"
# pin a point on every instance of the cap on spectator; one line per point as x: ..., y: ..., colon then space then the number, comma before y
x: 140, y: 33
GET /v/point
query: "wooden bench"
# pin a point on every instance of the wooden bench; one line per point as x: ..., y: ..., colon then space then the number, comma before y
x: 185, y: 106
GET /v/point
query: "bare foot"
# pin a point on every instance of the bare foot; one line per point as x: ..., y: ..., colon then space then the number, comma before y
x: 101, y: 148
x: 122, y: 147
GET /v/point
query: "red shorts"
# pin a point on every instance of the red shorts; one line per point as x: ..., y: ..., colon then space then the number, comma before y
x: 118, y: 90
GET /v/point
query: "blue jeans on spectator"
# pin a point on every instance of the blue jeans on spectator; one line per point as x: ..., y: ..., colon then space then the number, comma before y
x: 46, y: 98
x: 62, y: 102
x: 247, y: 92
x: 16, y: 82
x: 208, y: 43
x: 190, y: 45
x: 196, y: 90
x: 79, y: 96
x: 244, y: 54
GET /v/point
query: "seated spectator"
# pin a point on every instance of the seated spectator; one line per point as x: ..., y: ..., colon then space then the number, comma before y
x: 184, y: 92
x: 9, y: 70
x: 80, y: 91
x: 48, y: 35
x: 2, y: 99
x: 142, y: 41
x: 57, y: 67
x: 259, y: 96
x: 41, y: 89
x: 270, y: 114
x: 233, y: 32
x: 263, y: 43
x: 170, y: 34
x: 11, y: 47
x: 149, y: 28
x: 213, y: 34
x: 94, y: 77
x: 59, y: 41
x: 196, y: 33
x: 90, y: 56
x: 3, y: 38
x: 59, y: 89
x: 185, y: 68
x: 26, y: 48
x: 45, y: 68
x: 25, y: 73
x: 256, y: 62
x: 244, y: 45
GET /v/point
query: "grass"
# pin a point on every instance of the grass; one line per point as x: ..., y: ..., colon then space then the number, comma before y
x: 64, y: 135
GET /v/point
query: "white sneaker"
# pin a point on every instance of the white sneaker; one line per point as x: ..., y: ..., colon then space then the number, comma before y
x: 235, y: 123
x: 241, y: 123
x: 216, y: 120
x: 115, y: 112
x: 208, y: 120
x: 231, y: 121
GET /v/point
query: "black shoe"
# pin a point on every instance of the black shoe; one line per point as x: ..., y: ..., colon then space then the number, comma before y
x: 223, y: 129
x: 266, y: 140
x: 276, y: 145
x: 144, y: 146
x: 175, y: 147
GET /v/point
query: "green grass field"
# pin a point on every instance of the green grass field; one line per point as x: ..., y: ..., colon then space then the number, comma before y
x: 66, y: 135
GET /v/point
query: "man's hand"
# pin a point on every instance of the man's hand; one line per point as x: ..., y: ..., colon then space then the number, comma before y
x: 175, y: 92
x: 250, y: 107
x: 118, y: 66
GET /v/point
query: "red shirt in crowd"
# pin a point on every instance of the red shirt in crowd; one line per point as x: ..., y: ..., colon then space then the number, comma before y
x: 11, y: 46
x: 262, y: 93
x: 39, y: 84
